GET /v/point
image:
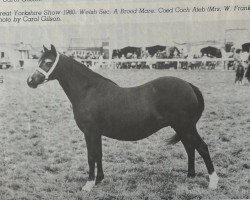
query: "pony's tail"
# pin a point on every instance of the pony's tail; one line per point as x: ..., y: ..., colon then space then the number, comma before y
x: 174, y: 139
x: 200, y: 100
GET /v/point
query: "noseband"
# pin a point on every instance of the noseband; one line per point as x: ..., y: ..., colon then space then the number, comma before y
x: 47, y: 74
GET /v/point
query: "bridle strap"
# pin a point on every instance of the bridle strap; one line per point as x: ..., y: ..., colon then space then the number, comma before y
x: 47, y: 74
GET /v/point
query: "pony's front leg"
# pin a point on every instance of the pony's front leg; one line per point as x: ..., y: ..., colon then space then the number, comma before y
x: 94, y: 156
x: 100, y: 174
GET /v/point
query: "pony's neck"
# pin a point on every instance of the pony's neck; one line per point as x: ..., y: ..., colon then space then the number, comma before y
x: 76, y: 79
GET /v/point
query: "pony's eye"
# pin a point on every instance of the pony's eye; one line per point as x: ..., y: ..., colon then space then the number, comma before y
x: 48, y: 62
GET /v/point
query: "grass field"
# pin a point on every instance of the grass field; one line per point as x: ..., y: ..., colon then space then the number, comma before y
x: 43, y: 154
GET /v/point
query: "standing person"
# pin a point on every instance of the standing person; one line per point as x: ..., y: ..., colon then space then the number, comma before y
x: 101, y: 60
x: 238, y: 66
x: 134, y: 63
x: 239, y: 74
x: 237, y: 58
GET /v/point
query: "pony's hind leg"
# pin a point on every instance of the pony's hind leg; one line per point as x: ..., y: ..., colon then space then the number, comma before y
x: 186, y: 136
x: 202, y: 149
x: 190, y: 149
x: 191, y: 141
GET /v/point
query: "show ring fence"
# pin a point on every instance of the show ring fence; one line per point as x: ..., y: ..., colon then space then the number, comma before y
x: 112, y: 63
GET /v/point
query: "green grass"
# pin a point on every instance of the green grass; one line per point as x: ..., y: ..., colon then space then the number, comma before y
x: 43, y: 154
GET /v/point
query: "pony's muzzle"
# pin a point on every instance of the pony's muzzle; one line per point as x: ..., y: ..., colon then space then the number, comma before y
x: 31, y: 82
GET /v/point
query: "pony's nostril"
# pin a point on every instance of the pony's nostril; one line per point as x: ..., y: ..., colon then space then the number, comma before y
x: 29, y: 80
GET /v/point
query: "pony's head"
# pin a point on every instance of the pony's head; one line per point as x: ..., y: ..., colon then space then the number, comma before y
x: 45, y: 69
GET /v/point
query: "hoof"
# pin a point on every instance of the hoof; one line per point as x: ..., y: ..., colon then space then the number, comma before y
x: 88, y: 186
x: 213, y: 181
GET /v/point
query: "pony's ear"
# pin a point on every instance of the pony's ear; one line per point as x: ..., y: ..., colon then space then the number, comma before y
x: 53, y: 49
x: 45, y: 49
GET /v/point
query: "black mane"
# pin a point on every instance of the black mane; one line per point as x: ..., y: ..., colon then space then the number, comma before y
x: 86, y: 68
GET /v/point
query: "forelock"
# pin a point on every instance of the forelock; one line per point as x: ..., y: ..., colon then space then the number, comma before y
x: 45, y: 55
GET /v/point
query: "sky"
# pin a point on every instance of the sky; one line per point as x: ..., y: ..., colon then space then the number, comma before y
x: 122, y: 35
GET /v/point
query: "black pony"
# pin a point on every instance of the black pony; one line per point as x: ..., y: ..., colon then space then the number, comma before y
x: 101, y: 107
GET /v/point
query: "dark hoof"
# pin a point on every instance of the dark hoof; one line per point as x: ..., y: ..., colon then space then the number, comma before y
x: 99, y: 179
x: 191, y: 175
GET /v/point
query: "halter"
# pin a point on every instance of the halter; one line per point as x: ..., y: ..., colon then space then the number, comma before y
x: 47, y: 74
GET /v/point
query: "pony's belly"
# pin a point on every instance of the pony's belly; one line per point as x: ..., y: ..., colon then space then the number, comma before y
x: 135, y: 126
x: 127, y: 136
x: 131, y: 134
